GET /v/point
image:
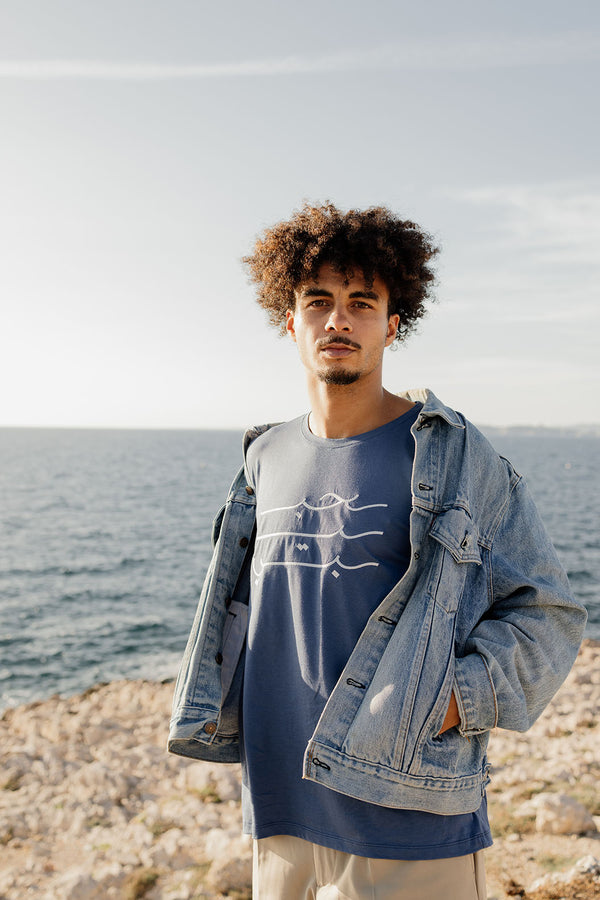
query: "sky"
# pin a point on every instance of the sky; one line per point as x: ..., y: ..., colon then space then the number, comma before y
x: 145, y: 144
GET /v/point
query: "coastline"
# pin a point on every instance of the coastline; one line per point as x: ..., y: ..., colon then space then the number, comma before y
x: 92, y: 806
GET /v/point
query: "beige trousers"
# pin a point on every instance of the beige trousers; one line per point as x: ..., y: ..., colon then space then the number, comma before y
x: 289, y: 868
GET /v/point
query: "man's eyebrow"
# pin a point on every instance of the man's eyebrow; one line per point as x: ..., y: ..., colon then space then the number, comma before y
x: 315, y: 292
x: 365, y: 295
x: 321, y: 292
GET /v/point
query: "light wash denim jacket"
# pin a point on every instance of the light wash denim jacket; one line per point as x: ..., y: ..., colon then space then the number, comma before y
x: 484, y: 609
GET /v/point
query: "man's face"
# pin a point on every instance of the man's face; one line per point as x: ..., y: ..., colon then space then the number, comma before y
x: 341, y: 329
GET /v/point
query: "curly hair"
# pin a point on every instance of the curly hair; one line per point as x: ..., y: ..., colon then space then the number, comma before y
x: 374, y: 241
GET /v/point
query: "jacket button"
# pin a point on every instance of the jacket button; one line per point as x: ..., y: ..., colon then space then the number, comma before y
x: 244, y: 542
x: 249, y: 490
x: 219, y: 658
x: 417, y: 555
x: 210, y: 727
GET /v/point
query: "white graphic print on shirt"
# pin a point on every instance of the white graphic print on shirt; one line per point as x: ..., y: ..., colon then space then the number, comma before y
x: 287, y: 545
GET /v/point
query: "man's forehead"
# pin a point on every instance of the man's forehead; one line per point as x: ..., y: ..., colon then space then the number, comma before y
x: 329, y: 275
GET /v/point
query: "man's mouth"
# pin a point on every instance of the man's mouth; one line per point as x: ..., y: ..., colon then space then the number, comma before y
x: 338, y: 348
x: 337, y: 351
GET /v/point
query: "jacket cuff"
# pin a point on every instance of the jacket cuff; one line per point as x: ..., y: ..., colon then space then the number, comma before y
x: 475, y: 695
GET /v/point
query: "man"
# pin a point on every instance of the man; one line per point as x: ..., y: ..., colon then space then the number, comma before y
x: 382, y: 587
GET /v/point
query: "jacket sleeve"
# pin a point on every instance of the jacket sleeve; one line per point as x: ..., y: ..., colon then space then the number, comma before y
x: 520, y: 652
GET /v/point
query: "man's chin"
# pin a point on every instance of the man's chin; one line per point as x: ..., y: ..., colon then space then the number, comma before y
x: 339, y: 377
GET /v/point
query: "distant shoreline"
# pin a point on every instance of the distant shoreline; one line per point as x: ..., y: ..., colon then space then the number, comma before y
x: 567, y: 431
x: 580, y: 429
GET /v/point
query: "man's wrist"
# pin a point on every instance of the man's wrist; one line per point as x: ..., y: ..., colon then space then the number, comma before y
x: 452, y: 717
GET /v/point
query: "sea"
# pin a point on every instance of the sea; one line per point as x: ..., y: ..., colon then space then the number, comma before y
x: 105, y: 539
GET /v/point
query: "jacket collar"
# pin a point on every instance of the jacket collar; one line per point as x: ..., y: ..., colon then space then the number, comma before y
x: 432, y: 406
x: 253, y: 432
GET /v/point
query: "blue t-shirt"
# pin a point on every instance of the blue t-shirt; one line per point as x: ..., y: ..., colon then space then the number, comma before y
x: 332, y: 541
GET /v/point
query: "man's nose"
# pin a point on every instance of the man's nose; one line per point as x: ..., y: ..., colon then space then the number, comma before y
x: 338, y: 320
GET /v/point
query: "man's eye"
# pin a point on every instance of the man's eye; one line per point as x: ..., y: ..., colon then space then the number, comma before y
x: 362, y: 304
x: 318, y: 301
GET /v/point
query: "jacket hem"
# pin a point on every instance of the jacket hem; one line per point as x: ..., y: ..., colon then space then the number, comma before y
x: 377, y: 784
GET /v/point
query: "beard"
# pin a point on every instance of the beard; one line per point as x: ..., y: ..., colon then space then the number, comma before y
x: 340, y: 377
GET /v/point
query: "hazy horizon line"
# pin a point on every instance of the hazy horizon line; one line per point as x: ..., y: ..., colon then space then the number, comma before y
x: 592, y: 428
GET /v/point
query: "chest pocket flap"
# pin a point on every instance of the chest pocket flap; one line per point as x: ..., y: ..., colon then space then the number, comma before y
x: 456, y: 531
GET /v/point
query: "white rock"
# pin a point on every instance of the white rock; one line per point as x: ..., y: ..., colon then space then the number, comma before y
x: 77, y: 822
x: 170, y: 850
x: 177, y: 891
x: 211, y: 779
x: 545, y: 881
x: 98, y: 781
x: 561, y: 814
x: 232, y: 870
x: 587, y: 865
x: 76, y: 884
x: 207, y: 818
x: 109, y: 877
x: 218, y: 842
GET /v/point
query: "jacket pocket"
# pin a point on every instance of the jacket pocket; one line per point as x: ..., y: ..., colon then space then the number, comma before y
x: 448, y: 755
x: 457, y: 534
x: 403, y: 702
x: 405, y: 685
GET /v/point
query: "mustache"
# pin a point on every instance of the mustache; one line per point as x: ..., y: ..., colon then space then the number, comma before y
x: 341, y: 339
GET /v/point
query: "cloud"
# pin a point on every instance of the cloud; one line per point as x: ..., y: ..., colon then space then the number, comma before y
x: 555, y: 223
x: 449, y: 53
x: 511, y: 371
x: 517, y: 301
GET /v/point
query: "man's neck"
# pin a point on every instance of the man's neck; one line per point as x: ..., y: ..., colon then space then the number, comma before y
x: 341, y: 411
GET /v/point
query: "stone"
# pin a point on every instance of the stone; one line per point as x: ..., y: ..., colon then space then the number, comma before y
x: 171, y: 850
x: 77, y: 884
x: 561, y: 814
x: 232, y: 872
x: 587, y: 867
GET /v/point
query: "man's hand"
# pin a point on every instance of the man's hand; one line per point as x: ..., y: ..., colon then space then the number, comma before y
x: 452, y: 716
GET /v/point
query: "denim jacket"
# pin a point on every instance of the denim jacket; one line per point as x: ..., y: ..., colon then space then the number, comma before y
x: 484, y: 609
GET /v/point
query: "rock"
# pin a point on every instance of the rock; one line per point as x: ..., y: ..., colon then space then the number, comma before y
x: 109, y: 875
x: 212, y: 782
x: 561, y: 814
x: 588, y: 865
x: 171, y: 850
x: 218, y: 843
x: 76, y: 884
x: 231, y: 855
x: 96, y: 780
x: 587, y: 868
x: 232, y: 869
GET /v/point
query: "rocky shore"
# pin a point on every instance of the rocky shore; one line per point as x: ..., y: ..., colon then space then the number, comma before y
x: 92, y: 806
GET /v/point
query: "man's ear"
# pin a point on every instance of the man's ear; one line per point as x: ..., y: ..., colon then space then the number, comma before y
x: 289, y: 324
x: 392, y: 329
